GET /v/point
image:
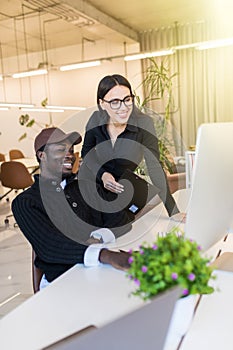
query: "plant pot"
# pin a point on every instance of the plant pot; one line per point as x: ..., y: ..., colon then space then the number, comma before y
x: 181, y: 320
x: 176, y: 181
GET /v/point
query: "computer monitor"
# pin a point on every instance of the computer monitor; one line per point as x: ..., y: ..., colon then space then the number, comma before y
x: 145, y: 328
x: 210, y: 209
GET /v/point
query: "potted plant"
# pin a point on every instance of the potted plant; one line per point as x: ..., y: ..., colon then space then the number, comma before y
x: 172, y: 260
x: 158, y: 87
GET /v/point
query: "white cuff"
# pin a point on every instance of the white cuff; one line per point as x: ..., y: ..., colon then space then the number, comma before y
x: 104, y: 233
x: 91, y: 256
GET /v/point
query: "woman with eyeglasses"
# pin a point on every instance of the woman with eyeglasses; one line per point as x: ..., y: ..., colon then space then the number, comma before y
x: 118, y: 136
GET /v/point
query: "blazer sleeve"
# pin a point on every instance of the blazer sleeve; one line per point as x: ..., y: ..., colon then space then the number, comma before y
x: 154, y: 167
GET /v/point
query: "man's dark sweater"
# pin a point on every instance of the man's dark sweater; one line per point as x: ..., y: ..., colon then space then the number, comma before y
x: 57, y: 223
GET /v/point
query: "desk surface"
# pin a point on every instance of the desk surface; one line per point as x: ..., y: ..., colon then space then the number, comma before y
x: 97, y: 295
x: 212, y: 324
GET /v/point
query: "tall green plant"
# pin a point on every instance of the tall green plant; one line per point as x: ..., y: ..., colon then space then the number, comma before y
x: 158, y: 85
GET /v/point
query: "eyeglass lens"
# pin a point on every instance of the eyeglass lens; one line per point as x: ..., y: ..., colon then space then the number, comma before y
x: 116, y: 104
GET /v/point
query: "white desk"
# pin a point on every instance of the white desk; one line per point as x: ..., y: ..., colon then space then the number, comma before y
x: 95, y: 296
x: 81, y: 297
x: 212, y: 324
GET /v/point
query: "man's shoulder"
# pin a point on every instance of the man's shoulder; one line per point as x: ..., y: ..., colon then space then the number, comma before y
x: 29, y: 193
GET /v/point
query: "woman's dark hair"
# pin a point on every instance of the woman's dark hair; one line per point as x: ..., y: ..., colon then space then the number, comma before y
x: 108, y: 82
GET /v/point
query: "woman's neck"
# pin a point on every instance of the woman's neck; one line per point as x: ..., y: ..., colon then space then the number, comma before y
x: 114, y: 130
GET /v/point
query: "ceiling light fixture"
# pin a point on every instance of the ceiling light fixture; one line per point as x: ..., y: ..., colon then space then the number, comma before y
x: 185, y: 46
x: 13, y: 104
x: 141, y: 56
x: 42, y: 110
x: 4, y: 108
x: 30, y: 73
x: 80, y: 65
x: 212, y: 44
x: 74, y: 108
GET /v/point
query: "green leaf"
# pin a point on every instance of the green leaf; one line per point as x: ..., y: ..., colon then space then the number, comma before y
x: 22, y: 137
x: 44, y: 102
x: 23, y: 119
x: 30, y: 123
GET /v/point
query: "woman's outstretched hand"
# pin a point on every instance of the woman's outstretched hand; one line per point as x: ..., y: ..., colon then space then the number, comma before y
x: 111, y: 184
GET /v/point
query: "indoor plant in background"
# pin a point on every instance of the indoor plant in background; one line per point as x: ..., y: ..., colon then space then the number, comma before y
x: 29, y: 122
x: 171, y: 260
x: 158, y: 91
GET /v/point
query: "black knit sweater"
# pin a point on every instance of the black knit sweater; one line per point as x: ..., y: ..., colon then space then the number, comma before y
x: 58, y: 222
x: 55, y: 252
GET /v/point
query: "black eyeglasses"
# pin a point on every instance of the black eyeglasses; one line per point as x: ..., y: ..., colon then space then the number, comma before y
x: 116, y: 103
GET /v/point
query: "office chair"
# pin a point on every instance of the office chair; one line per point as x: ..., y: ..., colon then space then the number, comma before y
x: 15, y: 176
x: 77, y: 163
x: 2, y: 157
x: 16, y: 154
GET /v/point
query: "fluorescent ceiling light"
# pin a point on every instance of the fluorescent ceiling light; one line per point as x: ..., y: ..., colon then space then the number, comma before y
x: 6, y: 104
x: 141, y: 56
x: 186, y: 46
x: 30, y: 73
x: 0, y: 77
x: 80, y: 65
x: 42, y: 110
x: 4, y: 108
x: 74, y: 108
x: 212, y: 44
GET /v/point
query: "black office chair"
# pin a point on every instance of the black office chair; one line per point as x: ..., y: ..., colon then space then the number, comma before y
x: 15, y: 176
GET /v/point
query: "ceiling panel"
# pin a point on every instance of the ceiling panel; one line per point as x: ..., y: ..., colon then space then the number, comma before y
x: 147, y: 14
x: 29, y: 25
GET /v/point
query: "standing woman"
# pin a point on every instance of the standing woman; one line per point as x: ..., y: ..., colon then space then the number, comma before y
x: 118, y: 136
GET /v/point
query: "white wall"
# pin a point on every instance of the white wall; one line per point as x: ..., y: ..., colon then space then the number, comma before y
x: 77, y: 87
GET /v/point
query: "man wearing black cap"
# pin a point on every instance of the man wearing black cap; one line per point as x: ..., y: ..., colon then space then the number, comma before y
x: 59, y: 215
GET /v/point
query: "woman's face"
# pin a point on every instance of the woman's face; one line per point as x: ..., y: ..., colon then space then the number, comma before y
x: 119, y: 112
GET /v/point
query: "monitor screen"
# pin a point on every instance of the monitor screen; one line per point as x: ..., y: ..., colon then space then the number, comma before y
x: 210, y: 207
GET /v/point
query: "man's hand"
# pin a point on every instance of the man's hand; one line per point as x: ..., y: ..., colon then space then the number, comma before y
x: 111, y: 184
x: 119, y: 260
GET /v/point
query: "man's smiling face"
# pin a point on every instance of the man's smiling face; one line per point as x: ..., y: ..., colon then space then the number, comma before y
x: 58, y: 159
